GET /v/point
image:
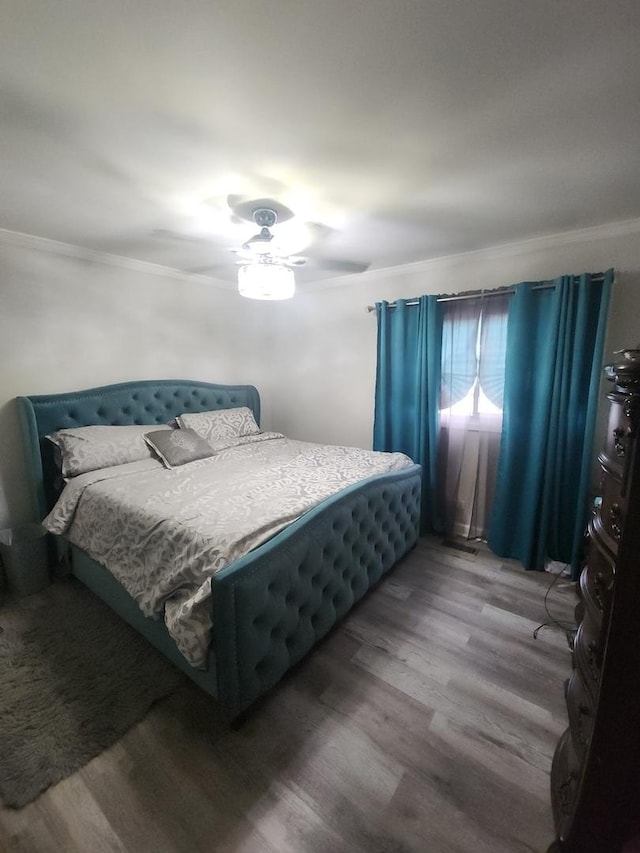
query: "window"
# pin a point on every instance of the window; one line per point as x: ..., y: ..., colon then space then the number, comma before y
x: 473, y: 354
x: 476, y: 403
x: 474, y: 337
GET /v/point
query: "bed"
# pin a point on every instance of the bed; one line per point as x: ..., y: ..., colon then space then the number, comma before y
x: 272, y: 605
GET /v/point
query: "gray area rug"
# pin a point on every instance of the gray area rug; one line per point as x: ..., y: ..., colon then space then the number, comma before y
x: 73, y: 678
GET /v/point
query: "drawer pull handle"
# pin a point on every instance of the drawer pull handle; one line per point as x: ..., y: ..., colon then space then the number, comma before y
x: 583, y: 732
x: 615, y: 516
x: 592, y: 660
x: 618, y: 434
x: 566, y: 791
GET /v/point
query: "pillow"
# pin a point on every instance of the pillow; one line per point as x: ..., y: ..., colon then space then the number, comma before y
x: 83, y: 449
x: 221, y: 424
x: 178, y: 446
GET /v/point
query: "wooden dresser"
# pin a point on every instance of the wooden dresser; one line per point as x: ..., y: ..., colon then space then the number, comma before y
x: 595, y: 775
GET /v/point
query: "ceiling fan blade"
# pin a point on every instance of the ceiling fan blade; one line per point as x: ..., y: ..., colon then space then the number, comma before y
x: 215, y: 270
x: 168, y: 234
x: 318, y: 230
x: 339, y: 266
x: 234, y: 199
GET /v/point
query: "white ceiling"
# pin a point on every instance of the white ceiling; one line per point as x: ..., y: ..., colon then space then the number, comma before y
x: 411, y: 128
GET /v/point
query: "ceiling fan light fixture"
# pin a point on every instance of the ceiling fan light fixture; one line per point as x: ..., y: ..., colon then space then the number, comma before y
x: 266, y: 281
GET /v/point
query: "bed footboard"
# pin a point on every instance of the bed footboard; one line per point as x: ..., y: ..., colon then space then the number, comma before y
x: 273, y: 605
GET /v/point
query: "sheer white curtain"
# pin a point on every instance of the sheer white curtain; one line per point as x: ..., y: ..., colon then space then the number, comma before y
x: 473, y: 355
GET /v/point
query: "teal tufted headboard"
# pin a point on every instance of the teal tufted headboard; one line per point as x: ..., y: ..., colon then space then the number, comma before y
x: 143, y: 402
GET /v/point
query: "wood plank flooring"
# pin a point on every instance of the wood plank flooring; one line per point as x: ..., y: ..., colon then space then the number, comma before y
x: 425, y: 723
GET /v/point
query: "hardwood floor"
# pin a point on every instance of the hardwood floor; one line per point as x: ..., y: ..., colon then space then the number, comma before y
x: 425, y: 723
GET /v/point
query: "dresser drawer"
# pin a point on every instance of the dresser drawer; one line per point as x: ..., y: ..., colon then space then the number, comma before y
x: 593, y: 613
x: 565, y: 781
x: 613, y: 507
x: 612, y: 513
x: 599, y: 573
x: 581, y: 708
x: 616, y: 444
x: 588, y: 653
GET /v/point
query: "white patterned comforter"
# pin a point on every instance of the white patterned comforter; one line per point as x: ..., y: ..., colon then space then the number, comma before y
x: 163, y: 533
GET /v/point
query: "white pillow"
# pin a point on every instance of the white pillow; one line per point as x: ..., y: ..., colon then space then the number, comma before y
x: 82, y: 449
x: 221, y: 424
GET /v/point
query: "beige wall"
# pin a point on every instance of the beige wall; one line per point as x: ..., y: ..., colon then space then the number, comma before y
x: 70, y: 320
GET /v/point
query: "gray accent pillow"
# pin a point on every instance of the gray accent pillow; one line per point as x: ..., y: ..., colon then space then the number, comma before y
x: 178, y: 446
x: 221, y: 424
x: 83, y: 449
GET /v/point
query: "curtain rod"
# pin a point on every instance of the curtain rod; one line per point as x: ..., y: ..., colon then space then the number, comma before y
x: 473, y: 294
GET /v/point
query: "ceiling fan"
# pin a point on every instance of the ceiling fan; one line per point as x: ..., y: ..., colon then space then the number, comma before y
x: 263, y: 243
x: 272, y: 243
x: 284, y: 248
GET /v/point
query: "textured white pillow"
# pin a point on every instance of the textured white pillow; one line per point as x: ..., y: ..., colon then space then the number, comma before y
x: 221, y: 424
x: 90, y: 448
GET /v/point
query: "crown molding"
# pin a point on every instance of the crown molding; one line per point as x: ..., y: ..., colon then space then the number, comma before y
x: 68, y: 250
x: 609, y: 230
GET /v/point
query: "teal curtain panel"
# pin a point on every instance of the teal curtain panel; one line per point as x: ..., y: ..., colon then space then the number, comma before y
x: 407, y: 392
x: 555, y: 341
